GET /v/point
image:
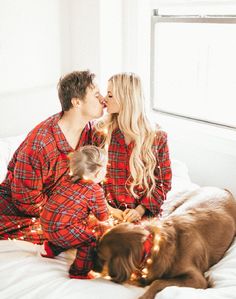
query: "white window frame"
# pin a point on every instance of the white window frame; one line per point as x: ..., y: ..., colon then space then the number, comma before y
x: 183, y: 19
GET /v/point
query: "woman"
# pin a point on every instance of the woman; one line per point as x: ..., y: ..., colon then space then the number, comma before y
x: 139, y: 173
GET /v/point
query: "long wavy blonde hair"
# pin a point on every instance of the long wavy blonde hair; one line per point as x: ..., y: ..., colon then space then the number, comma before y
x: 133, y: 122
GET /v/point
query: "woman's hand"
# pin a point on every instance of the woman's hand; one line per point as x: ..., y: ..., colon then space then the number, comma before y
x: 132, y: 215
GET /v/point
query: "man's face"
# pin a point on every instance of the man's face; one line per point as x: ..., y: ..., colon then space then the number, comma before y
x: 92, y: 105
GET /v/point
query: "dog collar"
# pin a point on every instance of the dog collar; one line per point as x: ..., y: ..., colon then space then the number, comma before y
x: 147, y: 247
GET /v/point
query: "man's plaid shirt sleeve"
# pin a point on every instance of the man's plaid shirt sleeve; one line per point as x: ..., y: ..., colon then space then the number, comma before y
x: 27, y: 183
x: 163, y: 175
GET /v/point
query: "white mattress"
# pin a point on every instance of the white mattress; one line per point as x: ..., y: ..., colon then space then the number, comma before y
x: 25, y: 274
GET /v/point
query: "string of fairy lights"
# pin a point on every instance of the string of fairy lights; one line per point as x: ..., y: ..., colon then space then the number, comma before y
x: 35, y: 226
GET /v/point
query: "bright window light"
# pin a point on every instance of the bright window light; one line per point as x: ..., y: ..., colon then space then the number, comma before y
x: 194, y: 68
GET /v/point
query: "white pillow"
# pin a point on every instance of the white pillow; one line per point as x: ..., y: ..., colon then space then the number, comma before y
x: 8, y: 146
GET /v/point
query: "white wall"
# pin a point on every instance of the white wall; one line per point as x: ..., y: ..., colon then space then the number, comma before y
x: 30, y: 62
x: 40, y: 41
x: 96, y: 37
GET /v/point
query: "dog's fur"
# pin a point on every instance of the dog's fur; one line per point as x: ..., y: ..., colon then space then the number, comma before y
x: 195, y: 236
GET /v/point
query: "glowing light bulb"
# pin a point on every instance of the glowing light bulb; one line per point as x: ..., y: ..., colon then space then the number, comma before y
x: 149, y: 261
x: 107, y: 277
x: 105, y: 131
x: 133, y: 276
x: 145, y: 271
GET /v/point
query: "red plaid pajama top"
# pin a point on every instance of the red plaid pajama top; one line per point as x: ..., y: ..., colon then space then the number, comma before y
x: 65, y: 223
x: 35, y: 170
x: 118, y: 172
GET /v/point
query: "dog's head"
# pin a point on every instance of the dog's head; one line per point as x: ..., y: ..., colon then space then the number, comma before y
x: 119, y: 252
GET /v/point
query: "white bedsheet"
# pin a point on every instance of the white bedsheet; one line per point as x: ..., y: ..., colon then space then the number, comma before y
x: 24, y: 274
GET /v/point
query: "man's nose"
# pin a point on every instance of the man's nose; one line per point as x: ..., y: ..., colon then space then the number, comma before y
x: 101, y: 99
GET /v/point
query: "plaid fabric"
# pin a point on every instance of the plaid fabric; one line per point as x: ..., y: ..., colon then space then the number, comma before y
x: 28, y: 229
x: 65, y: 220
x: 36, y: 169
x: 118, y: 172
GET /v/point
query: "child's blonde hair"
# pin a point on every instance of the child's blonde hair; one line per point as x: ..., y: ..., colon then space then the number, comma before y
x: 86, y: 160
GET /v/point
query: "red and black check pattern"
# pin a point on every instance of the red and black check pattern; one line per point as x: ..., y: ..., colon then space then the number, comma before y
x: 65, y: 220
x: 35, y: 170
x: 118, y: 173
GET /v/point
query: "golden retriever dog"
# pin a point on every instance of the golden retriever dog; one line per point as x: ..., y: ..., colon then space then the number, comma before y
x: 175, y: 250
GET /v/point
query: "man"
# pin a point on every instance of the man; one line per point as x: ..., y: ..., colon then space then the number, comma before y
x: 40, y: 162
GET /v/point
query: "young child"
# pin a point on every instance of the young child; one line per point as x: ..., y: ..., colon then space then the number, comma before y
x: 64, y: 217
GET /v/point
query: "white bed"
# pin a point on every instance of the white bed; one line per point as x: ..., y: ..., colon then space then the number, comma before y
x: 25, y: 274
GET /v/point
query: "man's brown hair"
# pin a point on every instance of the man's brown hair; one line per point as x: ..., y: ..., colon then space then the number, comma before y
x: 74, y: 85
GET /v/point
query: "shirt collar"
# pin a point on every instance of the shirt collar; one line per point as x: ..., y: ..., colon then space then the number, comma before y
x: 61, y: 141
x: 120, y: 138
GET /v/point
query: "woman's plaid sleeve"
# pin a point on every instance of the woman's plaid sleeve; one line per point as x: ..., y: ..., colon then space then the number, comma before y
x: 163, y: 175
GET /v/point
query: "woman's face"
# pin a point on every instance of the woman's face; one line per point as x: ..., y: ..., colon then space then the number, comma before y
x: 111, y: 103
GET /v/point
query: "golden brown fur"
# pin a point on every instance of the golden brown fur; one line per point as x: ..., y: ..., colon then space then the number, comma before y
x: 193, y: 237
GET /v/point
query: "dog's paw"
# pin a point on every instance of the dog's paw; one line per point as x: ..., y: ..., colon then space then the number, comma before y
x: 147, y: 295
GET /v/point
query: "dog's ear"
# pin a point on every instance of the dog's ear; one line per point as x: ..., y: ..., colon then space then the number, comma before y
x: 121, y: 248
x: 119, y: 268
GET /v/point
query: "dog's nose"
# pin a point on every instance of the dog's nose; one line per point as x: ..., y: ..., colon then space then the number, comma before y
x: 97, y: 263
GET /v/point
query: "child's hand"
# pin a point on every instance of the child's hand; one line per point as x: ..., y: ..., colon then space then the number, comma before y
x: 116, y: 213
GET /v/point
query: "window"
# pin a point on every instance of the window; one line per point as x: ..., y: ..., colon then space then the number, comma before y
x: 193, y: 67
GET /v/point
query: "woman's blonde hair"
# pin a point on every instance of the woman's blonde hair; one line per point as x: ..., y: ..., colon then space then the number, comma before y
x: 86, y: 160
x: 132, y: 121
